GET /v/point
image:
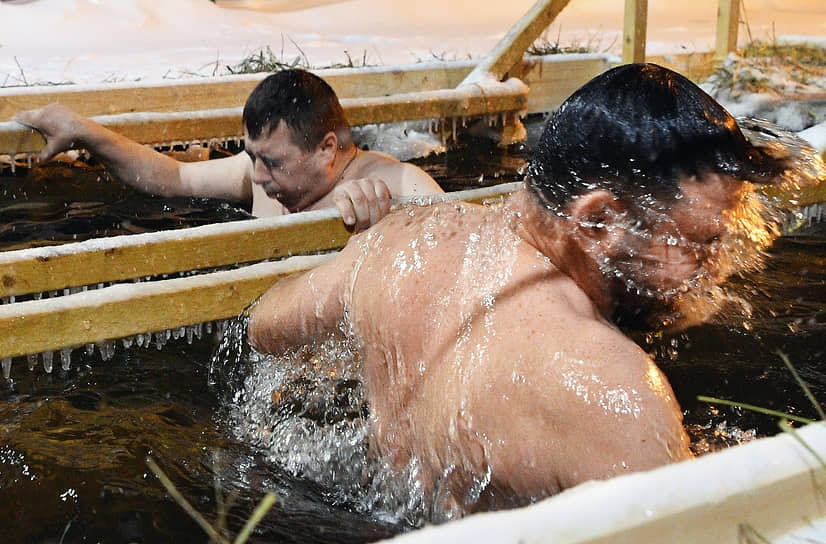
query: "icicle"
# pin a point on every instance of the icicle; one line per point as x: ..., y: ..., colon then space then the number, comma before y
x: 106, y: 348
x: 208, y: 327
x: 160, y: 340
x: 199, y: 331
x: 90, y: 349
x: 37, y: 296
x: 66, y: 358
x: 29, y: 161
x: 31, y: 360
x: 7, y: 367
x: 190, y: 334
x: 453, y: 132
x: 47, y: 361
x: 127, y: 342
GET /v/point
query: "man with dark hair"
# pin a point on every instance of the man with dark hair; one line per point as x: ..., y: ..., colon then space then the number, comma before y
x: 495, y: 373
x: 299, y: 156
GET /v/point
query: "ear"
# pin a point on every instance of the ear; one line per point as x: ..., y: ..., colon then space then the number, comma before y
x: 328, y: 147
x: 600, y: 218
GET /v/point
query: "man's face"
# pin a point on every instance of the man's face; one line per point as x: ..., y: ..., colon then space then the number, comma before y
x: 286, y: 172
x: 672, y: 261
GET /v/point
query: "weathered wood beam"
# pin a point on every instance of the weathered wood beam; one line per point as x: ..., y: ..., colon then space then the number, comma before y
x: 635, y: 28
x: 203, y: 125
x: 232, y: 91
x: 511, y: 48
x: 127, y: 309
x: 135, y: 256
x: 728, y: 22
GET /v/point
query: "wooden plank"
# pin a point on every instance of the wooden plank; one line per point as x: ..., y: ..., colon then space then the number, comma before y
x: 728, y: 21
x: 135, y: 256
x: 697, y: 66
x: 552, y: 79
x: 635, y: 28
x: 232, y: 91
x: 750, y: 493
x: 204, y: 125
x: 92, y: 100
x: 511, y: 48
x: 227, y: 91
x: 119, y: 258
x: 127, y: 309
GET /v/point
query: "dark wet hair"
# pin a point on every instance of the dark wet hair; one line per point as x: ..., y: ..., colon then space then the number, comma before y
x: 634, y: 130
x: 306, y: 103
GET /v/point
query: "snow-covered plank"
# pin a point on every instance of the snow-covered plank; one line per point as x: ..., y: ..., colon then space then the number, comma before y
x: 754, y: 492
x: 205, y: 125
x: 128, y: 309
x: 232, y: 91
x: 135, y: 256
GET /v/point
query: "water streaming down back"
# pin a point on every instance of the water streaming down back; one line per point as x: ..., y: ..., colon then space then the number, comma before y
x: 74, y: 441
x: 336, y: 455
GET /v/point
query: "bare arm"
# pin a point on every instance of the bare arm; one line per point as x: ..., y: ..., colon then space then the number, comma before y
x: 136, y: 164
x: 302, y: 307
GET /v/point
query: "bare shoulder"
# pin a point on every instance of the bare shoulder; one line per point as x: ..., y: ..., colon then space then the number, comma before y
x: 401, y: 178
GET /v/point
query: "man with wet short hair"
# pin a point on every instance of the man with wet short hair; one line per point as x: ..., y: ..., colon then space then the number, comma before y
x: 299, y: 156
x: 495, y: 369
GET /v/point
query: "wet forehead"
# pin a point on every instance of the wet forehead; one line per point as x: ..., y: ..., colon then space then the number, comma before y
x: 276, y: 143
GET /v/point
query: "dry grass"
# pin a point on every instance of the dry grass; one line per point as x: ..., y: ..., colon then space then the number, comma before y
x: 773, y: 68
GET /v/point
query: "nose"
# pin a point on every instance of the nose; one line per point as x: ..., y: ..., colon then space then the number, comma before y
x: 260, y: 173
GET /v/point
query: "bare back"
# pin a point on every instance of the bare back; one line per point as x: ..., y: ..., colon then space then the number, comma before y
x: 484, y: 357
x: 487, y: 368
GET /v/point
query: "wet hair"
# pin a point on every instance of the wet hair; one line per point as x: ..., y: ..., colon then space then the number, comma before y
x: 304, y: 101
x: 635, y: 130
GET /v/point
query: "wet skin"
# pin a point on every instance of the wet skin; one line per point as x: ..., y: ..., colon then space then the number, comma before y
x: 487, y: 351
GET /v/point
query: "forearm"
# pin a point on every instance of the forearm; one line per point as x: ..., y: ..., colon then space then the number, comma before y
x: 130, y: 162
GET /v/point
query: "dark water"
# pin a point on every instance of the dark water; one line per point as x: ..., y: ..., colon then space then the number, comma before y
x: 73, y: 444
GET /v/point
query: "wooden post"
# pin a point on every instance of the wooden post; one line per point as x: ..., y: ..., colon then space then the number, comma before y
x: 511, y: 48
x: 635, y: 27
x: 728, y: 21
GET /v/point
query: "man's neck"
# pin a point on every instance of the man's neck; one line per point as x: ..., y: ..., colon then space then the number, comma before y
x: 342, y: 166
x: 556, y: 237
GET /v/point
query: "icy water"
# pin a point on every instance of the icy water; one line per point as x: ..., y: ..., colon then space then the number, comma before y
x: 73, y: 443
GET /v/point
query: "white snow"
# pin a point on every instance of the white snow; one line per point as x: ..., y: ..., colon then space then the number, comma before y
x: 92, y: 41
